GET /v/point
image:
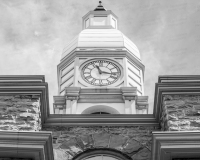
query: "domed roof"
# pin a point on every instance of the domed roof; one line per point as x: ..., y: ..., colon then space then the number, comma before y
x: 101, y: 39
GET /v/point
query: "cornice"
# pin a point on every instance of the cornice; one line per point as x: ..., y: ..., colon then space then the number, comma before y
x: 16, y: 87
x: 101, y: 120
x: 179, y: 78
x: 104, y: 53
x: 22, y: 78
x: 34, y: 145
x: 172, y: 89
x: 168, y: 145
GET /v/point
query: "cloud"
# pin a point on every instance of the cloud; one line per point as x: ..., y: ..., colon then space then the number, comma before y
x: 33, y: 34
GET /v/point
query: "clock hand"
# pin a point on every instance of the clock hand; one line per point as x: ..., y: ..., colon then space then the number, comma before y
x: 105, y: 72
x: 109, y: 73
x: 99, y: 69
x: 115, y: 72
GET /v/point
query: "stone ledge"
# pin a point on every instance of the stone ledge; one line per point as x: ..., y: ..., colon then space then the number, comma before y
x: 33, y: 145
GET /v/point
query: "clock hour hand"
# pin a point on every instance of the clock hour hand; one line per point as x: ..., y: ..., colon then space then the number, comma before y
x: 99, y: 69
x: 105, y: 72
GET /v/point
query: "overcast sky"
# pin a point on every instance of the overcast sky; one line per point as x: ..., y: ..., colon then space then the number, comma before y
x: 34, y: 32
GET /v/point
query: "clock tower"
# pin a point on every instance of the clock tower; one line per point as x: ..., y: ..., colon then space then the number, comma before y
x: 100, y: 70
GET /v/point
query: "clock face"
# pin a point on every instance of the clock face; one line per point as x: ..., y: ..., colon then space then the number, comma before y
x: 101, y: 72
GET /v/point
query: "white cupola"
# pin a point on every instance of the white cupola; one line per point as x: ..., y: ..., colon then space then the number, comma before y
x: 100, y: 18
x: 100, y: 71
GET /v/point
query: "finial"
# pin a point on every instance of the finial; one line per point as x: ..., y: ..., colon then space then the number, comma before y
x: 100, y: 7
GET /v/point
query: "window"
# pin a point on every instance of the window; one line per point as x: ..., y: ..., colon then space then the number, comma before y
x: 100, y: 113
x: 100, y: 109
x: 99, y: 21
x: 100, y: 157
x: 113, y: 22
x: 102, y: 154
x: 87, y: 23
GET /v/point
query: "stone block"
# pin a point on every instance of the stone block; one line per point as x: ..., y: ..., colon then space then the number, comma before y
x: 101, y: 139
x: 87, y: 141
x: 117, y: 141
x: 143, y: 154
x: 131, y: 146
x: 71, y: 147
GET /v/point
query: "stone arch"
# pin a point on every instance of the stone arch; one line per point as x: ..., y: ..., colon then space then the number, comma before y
x: 102, y: 151
x: 100, y: 108
x: 80, y: 144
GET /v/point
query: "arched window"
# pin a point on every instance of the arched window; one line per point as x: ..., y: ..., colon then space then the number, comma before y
x: 100, y: 113
x: 100, y: 109
x: 101, y: 154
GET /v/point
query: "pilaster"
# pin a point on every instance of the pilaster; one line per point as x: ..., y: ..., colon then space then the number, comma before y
x: 129, y: 95
x: 72, y: 95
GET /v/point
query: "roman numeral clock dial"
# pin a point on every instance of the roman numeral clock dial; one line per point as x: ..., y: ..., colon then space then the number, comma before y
x: 101, y: 72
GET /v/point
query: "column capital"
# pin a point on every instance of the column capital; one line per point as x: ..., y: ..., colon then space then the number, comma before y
x: 142, y: 102
x: 72, y: 93
x: 129, y: 93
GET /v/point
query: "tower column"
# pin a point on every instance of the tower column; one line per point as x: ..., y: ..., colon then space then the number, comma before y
x: 129, y: 96
x: 72, y: 96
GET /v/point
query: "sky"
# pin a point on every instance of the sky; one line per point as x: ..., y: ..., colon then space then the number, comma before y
x: 33, y: 34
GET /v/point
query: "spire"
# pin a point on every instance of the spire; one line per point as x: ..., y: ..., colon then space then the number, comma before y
x: 100, y: 7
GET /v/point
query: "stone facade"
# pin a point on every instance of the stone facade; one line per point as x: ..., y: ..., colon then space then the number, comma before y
x: 181, y: 113
x: 133, y: 141
x: 20, y: 113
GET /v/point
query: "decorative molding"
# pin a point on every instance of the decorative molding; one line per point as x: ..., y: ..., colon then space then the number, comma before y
x: 174, y: 87
x: 27, y: 85
x: 101, y: 120
x: 108, y: 53
x: 100, y: 95
x: 142, y: 103
x: 169, y: 145
x: 179, y: 79
x: 129, y: 93
x: 33, y: 145
x: 72, y: 93
x: 22, y: 78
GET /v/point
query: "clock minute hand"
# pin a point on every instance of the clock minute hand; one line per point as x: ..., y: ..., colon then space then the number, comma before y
x: 99, y: 69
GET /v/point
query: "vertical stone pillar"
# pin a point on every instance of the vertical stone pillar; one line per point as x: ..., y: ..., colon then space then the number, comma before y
x: 181, y: 113
x: 72, y: 96
x: 129, y: 96
x: 20, y: 113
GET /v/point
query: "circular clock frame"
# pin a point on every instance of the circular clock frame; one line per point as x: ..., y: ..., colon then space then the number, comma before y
x: 101, y: 72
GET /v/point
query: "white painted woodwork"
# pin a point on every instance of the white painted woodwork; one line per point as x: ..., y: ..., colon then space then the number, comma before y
x: 67, y: 68
x: 101, y: 38
x: 100, y: 107
x: 67, y: 83
x: 133, y: 68
x: 67, y: 76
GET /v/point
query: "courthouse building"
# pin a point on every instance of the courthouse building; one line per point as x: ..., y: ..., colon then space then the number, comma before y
x: 101, y: 111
